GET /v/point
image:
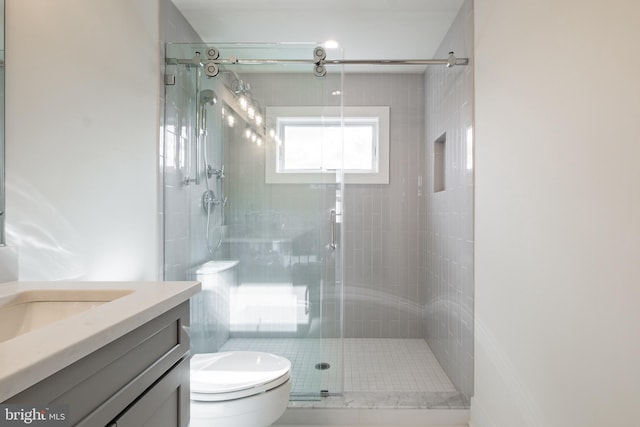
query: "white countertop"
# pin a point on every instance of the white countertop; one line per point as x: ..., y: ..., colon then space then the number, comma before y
x: 29, y: 358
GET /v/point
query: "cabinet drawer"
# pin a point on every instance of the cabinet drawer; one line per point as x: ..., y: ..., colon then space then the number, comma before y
x: 165, y: 404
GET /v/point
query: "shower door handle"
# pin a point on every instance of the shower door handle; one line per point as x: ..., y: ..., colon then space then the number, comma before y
x: 333, y: 244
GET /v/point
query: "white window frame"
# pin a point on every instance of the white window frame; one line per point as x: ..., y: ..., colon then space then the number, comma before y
x: 380, y: 175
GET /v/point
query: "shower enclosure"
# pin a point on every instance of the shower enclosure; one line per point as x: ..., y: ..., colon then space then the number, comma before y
x: 328, y: 215
x: 256, y: 220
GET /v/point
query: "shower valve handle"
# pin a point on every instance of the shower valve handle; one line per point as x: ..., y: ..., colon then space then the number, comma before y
x: 211, y: 171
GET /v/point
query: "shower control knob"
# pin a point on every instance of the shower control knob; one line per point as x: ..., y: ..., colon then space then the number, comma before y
x: 209, y: 201
x: 211, y: 69
x: 213, y: 53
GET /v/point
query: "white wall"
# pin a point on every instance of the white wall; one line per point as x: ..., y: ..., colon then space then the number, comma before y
x: 82, y: 136
x: 557, y: 213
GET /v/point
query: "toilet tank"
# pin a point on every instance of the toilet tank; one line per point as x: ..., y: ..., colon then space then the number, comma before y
x: 209, y: 328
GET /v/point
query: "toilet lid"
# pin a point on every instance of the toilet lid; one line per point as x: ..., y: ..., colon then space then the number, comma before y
x: 236, y: 371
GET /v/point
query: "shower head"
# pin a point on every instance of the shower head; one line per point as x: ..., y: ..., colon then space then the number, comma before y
x: 208, y: 96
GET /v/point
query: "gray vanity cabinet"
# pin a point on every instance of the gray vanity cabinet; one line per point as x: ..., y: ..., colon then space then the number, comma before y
x: 160, y: 406
x: 141, y: 378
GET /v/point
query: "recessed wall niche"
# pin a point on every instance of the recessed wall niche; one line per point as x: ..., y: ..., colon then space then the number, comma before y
x: 439, y: 162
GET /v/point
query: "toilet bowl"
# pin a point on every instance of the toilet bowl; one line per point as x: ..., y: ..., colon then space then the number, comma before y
x: 238, y: 389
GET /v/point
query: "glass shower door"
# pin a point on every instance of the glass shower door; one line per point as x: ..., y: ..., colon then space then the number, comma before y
x: 273, y: 143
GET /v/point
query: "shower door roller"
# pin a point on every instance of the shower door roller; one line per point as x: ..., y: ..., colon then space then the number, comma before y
x: 319, y: 70
x: 213, y: 53
x: 211, y: 69
x: 319, y: 54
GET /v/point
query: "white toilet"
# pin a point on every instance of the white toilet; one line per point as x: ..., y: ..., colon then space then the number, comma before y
x: 238, y: 389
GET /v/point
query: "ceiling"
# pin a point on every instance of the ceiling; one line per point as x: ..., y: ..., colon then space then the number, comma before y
x: 365, y: 29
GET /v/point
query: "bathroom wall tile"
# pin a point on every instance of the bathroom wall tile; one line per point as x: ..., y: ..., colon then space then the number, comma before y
x: 382, y: 219
x: 446, y: 268
x: 184, y: 245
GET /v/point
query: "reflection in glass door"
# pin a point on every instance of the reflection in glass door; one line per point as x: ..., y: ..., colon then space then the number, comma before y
x: 263, y: 212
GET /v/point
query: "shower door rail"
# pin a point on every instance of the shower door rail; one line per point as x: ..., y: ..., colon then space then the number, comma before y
x: 213, y: 62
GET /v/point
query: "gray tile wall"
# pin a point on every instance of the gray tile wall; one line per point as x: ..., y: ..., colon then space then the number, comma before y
x: 446, y: 217
x: 381, y: 243
x: 296, y: 206
x: 175, y: 131
x: 183, y: 221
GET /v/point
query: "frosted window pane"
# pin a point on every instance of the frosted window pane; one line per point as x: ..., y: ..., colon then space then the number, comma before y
x: 318, y: 148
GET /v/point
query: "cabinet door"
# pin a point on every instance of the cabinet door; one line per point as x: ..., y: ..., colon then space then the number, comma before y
x: 165, y: 404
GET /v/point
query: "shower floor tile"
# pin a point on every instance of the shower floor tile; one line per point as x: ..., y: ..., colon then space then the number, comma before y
x: 392, y: 365
x: 374, y: 369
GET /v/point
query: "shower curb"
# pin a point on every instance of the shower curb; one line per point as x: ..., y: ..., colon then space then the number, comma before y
x: 374, y: 417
